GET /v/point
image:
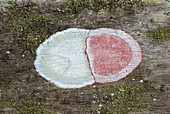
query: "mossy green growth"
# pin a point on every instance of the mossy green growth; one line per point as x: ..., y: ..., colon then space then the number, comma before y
x: 32, y: 107
x: 124, y: 98
x: 27, y: 26
x: 127, y: 96
x: 150, y: 2
x: 23, y: 104
x: 76, y: 6
x: 3, y: 83
x: 159, y: 35
x: 2, y: 73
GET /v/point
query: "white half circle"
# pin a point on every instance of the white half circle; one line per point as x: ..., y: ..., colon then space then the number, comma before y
x: 61, y: 59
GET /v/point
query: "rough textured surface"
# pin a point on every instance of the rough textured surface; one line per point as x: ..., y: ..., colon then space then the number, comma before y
x: 155, y: 66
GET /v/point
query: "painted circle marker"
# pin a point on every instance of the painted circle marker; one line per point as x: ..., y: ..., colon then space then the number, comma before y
x: 112, y: 54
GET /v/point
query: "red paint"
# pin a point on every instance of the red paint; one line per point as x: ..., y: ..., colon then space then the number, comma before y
x: 111, y: 54
x: 112, y: 77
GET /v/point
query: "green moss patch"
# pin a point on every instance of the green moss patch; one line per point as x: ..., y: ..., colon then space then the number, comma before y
x: 159, y: 35
x: 123, y: 98
x: 13, y: 100
x: 76, y: 6
x: 29, y: 26
x: 126, y: 96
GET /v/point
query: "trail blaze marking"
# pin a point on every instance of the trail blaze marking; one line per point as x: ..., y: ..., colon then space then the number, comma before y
x: 111, y: 55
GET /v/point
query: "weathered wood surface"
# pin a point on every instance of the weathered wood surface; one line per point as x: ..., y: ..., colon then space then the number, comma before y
x: 155, y: 65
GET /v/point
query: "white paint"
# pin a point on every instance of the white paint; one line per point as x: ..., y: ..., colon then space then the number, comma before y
x: 141, y: 81
x: 112, y: 94
x: 61, y: 59
x: 154, y: 99
x: 8, y: 52
x: 100, y: 105
x: 94, y: 86
x: 94, y: 102
x: 98, y: 112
